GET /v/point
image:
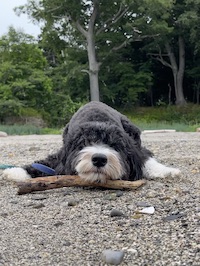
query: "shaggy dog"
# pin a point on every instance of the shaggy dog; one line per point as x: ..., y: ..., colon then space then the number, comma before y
x: 99, y: 143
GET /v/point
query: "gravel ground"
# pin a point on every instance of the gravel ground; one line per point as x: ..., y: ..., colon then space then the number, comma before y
x: 42, y: 229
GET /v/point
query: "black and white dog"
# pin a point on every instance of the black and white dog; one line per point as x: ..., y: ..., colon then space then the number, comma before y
x: 99, y: 143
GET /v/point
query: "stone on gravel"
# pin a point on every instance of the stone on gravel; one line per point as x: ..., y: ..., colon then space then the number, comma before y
x: 147, y: 210
x: 3, y: 134
x: 72, y: 203
x: 173, y: 217
x: 113, y: 257
x: 116, y: 212
x: 119, y: 193
x: 143, y: 204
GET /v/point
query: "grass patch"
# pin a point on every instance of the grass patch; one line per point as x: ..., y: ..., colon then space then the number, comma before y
x: 28, y: 130
x: 185, y: 119
x: 153, y: 125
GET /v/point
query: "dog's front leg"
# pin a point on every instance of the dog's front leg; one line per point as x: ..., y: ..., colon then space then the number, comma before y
x: 153, y: 169
x: 27, y: 171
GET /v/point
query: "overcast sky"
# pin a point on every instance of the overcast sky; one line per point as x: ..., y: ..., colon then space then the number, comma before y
x: 8, y: 18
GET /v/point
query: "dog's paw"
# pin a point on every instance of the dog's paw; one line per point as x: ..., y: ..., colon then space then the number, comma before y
x: 15, y: 174
x: 152, y: 169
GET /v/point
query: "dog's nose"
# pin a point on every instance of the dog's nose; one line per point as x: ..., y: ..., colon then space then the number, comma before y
x: 99, y: 159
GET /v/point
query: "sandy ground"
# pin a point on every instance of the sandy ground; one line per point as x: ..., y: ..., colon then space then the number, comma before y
x: 42, y: 229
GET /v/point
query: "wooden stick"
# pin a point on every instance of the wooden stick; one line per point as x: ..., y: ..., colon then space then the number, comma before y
x: 51, y: 182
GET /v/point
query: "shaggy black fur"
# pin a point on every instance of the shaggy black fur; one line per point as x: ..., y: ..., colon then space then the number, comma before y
x: 100, y: 124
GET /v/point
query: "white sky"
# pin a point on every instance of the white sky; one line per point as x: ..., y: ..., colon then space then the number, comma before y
x: 8, y: 18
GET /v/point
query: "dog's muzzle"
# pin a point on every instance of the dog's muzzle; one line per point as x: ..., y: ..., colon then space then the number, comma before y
x: 99, y: 163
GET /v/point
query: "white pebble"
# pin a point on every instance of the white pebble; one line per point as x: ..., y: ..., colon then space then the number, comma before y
x: 148, y: 210
x: 113, y: 257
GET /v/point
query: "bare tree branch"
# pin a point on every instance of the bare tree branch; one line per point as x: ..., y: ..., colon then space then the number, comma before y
x: 123, y: 44
x: 81, y: 29
x: 159, y: 57
x: 94, y: 15
x: 110, y: 21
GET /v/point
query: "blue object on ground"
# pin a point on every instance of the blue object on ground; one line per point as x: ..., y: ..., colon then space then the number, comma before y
x: 43, y: 168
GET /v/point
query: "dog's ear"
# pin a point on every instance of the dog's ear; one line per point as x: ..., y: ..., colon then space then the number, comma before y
x: 131, y: 130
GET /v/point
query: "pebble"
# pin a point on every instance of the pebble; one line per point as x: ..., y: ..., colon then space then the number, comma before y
x: 119, y: 193
x: 58, y: 224
x: 111, y: 196
x: 173, y: 217
x: 38, y: 197
x: 38, y: 206
x: 112, y: 257
x: 197, y: 209
x: 143, y: 204
x: 3, y: 134
x: 131, y: 250
x: 72, y: 203
x: 147, y: 210
x: 116, y: 212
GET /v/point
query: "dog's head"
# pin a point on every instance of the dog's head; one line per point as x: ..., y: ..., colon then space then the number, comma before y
x: 100, y: 151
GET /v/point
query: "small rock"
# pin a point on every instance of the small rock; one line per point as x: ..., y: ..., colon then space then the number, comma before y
x: 67, y: 193
x: 3, y: 134
x: 148, y: 210
x: 34, y: 148
x: 143, y: 204
x: 66, y: 243
x: 131, y: 250
x: 116, y: 212
x: 113, y: 257
x: 4, y: 214
x: 173, y: 217
x: 38, y: 206
x: 119, y: 193
x: 197, y: 209
x: 38, y: 197
x: 72, y: 203
x: 14, y: 202
x: 111, y: 196
x: 58, y: 224
x: 137, y: 216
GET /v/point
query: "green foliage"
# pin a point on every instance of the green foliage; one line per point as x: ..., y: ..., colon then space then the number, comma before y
x: 180, y: 127
x: 49, y: 78
x: 122, y: 84
x: 28, y: 130
x: 9, y: 108
x: 188, y: 114
x: 20, y: 129
x: 65, y: 108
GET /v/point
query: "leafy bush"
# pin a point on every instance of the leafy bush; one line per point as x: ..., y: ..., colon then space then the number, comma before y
x: 9, y: 108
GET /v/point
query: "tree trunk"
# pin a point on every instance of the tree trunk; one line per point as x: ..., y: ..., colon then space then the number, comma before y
x: 93, y: 68
x: 178, y: 71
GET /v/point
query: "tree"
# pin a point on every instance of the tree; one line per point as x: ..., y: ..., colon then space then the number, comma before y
x: 22, y: 77
x: 170, y: 45
x: 99, y: 27
x: 79, y: 23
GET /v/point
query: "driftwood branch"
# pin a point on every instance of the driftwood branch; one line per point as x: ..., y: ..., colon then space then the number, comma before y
x: 51, y: 182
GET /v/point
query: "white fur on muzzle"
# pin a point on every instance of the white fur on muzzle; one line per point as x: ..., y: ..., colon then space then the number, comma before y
x: 87, y: 170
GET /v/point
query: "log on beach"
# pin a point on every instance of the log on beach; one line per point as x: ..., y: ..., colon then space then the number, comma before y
x: 51, y: 182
